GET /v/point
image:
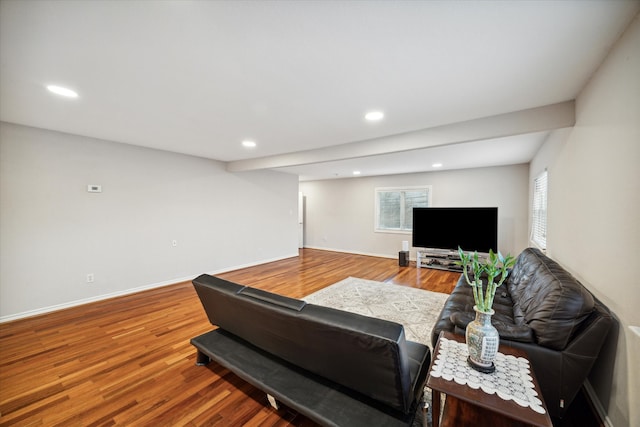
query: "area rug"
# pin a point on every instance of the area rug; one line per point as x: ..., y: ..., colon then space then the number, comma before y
x: 416, y: 309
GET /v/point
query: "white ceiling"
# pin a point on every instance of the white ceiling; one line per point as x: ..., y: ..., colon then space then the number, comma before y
x: 198, y: 77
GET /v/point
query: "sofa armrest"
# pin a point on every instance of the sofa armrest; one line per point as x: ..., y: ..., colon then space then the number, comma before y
x: 461, y: 318
x: 521, y: 333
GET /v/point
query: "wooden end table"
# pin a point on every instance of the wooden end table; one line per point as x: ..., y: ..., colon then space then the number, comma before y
x: 465, y: 405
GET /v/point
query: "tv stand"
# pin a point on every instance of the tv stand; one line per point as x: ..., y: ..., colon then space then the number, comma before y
x: 440, y: 259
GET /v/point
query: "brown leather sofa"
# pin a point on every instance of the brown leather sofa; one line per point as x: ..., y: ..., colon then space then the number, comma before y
x: 335, y: 367
x: 544, y: 310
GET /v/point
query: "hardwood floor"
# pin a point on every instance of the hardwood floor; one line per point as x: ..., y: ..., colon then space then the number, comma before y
x: 128, y: 361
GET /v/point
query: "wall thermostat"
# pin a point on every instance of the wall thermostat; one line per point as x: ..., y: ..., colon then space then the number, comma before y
x: 91, y: 188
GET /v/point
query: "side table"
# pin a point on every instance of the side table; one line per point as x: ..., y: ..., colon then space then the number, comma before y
x: 510, y: 396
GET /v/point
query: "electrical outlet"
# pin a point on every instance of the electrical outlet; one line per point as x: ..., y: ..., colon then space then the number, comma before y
x: 174, y: 243
x: 90, y: 278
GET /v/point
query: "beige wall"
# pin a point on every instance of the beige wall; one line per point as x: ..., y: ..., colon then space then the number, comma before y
x: 594, y: 213
x: 339, y: 213
x: 53, y: 232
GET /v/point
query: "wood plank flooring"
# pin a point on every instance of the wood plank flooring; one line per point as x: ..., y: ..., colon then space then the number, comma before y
x: 128, y: 361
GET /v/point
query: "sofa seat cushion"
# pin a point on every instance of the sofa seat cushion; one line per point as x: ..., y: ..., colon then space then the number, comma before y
x: 505, y: 326
x: 548, y: 299
x: 325, y: 402
x: 459, y: 308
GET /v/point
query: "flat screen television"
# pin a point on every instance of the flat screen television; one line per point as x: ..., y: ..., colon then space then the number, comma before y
x: 473, y: 229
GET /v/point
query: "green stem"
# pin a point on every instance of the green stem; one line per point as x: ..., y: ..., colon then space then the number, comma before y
x: 466, y: 274
x: 480, y: 296
x: 491, y: 296
x: 475, y: 292
x: 488, y: 295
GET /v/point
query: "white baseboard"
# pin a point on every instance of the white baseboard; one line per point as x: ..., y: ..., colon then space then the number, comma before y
x: 351, y: 252
x: 70, y: 304
x: 57, y: 307
x: 597, y: 405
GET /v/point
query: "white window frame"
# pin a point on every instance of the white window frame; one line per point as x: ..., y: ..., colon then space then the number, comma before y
x: 539, y: 210
x: 401, y: 230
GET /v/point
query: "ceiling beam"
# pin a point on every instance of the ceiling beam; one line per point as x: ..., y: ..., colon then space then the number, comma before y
x: 549, y: 117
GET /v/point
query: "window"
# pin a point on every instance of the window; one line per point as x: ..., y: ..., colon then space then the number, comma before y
x: 539, y: 220
x: 394, y: 207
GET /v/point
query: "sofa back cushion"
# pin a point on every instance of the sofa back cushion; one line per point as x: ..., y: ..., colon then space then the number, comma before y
x: 548, y: 299
x: 362, y: 353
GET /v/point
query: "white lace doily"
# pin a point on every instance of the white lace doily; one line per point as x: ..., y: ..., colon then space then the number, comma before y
x: 511, y: 380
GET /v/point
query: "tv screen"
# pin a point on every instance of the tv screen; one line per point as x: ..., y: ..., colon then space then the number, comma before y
x: 473, y: 229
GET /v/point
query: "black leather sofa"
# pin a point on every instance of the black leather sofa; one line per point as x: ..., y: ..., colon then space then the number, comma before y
x: 544, y: 310
x: 336, y: 368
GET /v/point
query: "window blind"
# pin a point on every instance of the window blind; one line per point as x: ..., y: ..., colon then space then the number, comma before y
x: 394, y: 207
x: 539, y: 217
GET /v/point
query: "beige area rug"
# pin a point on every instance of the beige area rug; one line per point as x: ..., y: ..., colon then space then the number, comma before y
x: 416, y: 309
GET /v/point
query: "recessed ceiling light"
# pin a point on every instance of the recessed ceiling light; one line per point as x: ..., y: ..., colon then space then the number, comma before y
x: 356, y: 172
x: 374, y: 116
x: 59, y: 90
x: 248, y: 144
x: 437, y: 165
